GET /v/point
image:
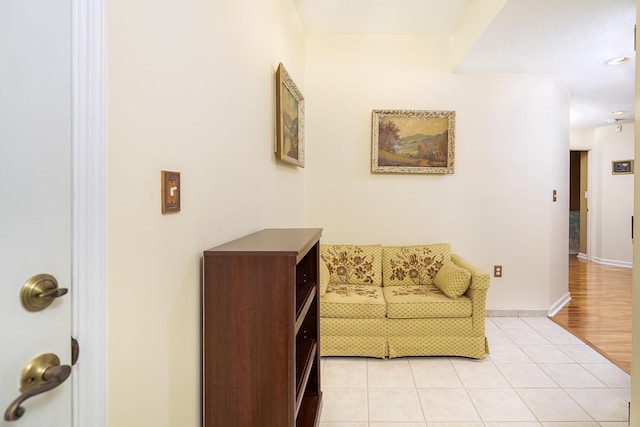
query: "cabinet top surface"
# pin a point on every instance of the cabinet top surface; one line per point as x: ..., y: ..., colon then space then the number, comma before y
x: 272, y: 240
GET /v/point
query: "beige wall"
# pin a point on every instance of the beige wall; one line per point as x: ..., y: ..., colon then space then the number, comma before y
x: 190, y: 88
x: 614, y: 196
x: 611, y: 196
x: 512, y: 145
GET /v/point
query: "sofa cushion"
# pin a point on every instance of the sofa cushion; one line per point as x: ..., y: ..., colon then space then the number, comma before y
x: 324, y: 277
x: 413, y: 265
x: 452, y: 280
x: 353, y: 302
x: 353, y: 264
x: 423, y: 302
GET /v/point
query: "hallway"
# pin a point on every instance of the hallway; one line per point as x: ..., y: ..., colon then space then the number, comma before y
x: 600, y: 309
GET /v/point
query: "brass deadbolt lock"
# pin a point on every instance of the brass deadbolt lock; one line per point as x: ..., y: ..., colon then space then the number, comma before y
x: 39, y: 292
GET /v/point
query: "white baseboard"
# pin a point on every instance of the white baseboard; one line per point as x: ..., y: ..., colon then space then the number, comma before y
x: 553, y: 310
x: 516, y: 313
x: 613, y: 262
x: 559, y: 304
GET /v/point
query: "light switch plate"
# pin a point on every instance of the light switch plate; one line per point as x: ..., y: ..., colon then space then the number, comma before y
x: 170, y: 187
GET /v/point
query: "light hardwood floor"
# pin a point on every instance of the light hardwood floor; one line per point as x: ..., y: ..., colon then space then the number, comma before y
x: 600, y: 309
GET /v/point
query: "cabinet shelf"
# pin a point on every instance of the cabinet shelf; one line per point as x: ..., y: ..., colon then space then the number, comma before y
x: 309, y: 413
x: 305, y: 296
x: 305, y: 359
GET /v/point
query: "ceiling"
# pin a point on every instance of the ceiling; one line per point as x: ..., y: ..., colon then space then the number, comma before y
x: 571, y: 39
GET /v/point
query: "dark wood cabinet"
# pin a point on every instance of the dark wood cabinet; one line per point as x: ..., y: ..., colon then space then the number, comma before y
x: 260, y: 320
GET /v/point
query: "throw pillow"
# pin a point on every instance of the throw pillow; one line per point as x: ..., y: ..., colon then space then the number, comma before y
x: 452, y: 280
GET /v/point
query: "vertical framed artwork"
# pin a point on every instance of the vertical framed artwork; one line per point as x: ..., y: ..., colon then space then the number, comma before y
x: 289, y: 119
x: 622, y: 167
x: 413, y: 141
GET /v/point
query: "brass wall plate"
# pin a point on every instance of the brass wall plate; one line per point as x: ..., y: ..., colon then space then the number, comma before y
x: 170, y: 188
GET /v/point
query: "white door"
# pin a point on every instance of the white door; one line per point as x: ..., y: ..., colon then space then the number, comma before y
x: 35, y: 197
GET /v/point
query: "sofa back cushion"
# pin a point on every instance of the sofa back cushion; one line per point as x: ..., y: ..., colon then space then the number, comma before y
x: 452, y: 280
x: 353, y: 264
x: 413, y: 265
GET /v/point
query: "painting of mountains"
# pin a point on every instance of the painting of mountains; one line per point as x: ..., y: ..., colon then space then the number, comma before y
x: 413, y: 141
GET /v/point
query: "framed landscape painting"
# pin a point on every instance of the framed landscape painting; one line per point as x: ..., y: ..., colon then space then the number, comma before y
x: 413, y: 141
x: 289, y: 119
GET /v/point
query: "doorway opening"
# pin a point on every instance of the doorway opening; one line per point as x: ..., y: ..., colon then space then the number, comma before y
x: 578, y: 212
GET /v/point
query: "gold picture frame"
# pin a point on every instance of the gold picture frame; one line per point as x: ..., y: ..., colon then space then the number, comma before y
x: 289, y: 119
x: 413, y: 141
x: 622, y: 167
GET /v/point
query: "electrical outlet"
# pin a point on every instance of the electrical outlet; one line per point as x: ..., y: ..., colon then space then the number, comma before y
x: 497, y: 271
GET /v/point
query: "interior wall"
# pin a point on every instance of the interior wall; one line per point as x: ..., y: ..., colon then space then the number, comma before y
x: 190, y: 88
x: 557, y: 150
x: 611, y: 196
x: 614, y: 202
x: 511, y: 151
x: 582, y: 139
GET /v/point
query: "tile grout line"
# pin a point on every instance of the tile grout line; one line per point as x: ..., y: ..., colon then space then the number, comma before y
x: 415, y: 386
x: 560, y: 386
x: 539, y: 365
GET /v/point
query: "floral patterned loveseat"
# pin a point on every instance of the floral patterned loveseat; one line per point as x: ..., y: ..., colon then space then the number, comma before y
x: 396, y: 301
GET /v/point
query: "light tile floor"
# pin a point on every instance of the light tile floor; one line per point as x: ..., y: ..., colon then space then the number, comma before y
x: 537, y: 374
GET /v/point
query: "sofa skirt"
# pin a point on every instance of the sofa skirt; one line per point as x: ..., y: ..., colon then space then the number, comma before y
x: 353, y: 346
x: 401, y: 337
x: 473, y: 347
